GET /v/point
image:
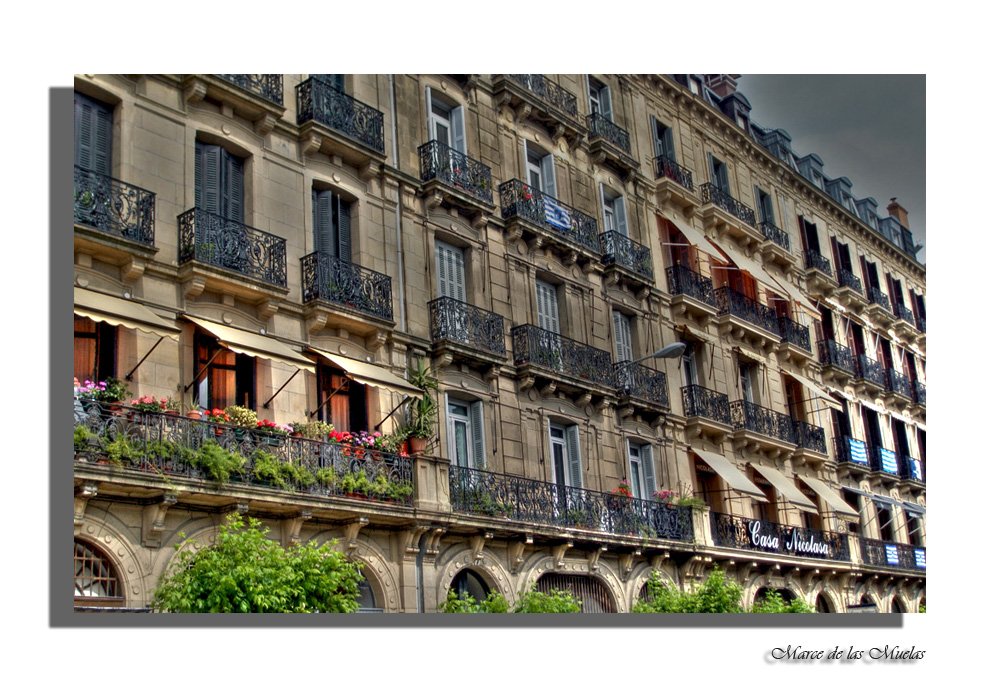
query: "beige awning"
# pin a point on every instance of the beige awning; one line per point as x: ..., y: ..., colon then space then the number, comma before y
x: 871, y: 406
x: 366, y: 373
x: 695, y: 333
x: 837, y: 504
x: 256, y: 345
x: 756, y: 271
x: 834, y: 306
x: 797, y: 295
x: 698, y: 241
x: 728, y: 472
x: 750, y: 355
x: 814, y: 387
x: 786, y: 488
x: 122, y: 312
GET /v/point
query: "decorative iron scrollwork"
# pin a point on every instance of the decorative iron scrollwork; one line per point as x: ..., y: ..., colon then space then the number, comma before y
x: 455, y: 320
x: 324, y: 277
x: 319, y: 101
x: 214, y: 240
x: 113, y: 206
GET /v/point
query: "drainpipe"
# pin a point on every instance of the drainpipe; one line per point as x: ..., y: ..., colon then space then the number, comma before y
x: 420, y: 571
x: 399, y: 203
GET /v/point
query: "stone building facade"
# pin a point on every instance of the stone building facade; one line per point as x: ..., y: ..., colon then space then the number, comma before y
x: 293, y: 243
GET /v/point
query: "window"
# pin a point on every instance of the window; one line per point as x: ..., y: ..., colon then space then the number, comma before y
x: 465, y: 433
x: 766, y: 511
x: 895, y: 291
x: 883, y: 511
x: 218, y: 181
x: 900, y: 440
x: 694, y: 85
x: 873, y: 433
x: 870, y: 272
x: 468, y: 583
x: 613, y: 206
x: 810, y: 237
x: 764, y: 210
x: 227, y: 380
x: 564, y: 450
x: 623, y: 336
x: 663, y: 139
x: 335, y: 80
x: 641, y: 474
x: 852, y: 499
x: 343, y: 402
x: 95, y: 580
x: 842, y: 420
x: 548, y: 306
x: 842, y: 256
x: 689, y: 365
x: 450, y: 270
x: 541, y: 170
x: 748, y: 380
x: 445, y: 122
x: 914, y: 527
x: 93, y: 126
x: 718, y: 174
x: 600, y: 99
x: 95, y: 348
x: 331, y: 224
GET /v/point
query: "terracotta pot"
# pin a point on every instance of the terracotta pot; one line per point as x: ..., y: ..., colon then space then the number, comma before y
x: 219, y: 431
x: 417, y: 445
x: 296, y: 434
x: 405, y: 446
x: 172, y: 412
x: 194, y: 414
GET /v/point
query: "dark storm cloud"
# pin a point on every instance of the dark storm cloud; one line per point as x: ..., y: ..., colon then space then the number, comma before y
x: 869, y: 128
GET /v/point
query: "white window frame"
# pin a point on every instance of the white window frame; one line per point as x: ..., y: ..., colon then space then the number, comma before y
x: 613, y: 209
x: 570, y: 435
x: 475, y: 441
x: 623, y: 336
x: 642, y: 473
x: 599, y: 99
x: 449, y: 256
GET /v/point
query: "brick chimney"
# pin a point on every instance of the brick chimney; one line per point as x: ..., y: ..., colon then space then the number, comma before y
x: 898, y: 211
x: 722, y: 84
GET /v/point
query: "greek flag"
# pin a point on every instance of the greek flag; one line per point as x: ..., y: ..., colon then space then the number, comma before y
x: 891, y: 555
x: 915, y: 471
x: 555, y: 214
x: 858, y: 454
x: 889, y: 462
x: 921, y: 556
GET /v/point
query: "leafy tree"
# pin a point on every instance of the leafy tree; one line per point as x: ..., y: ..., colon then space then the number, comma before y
x: 244, y: 572
x: 773, y: 602
x: 554, y: 601
x: 493, y: 603
x: 714, y: 596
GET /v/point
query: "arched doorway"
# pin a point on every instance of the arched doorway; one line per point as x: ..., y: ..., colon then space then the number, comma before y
x: 367, y: 603
x: 471, y: 584
x: 822, y: 605
x: 896, y: 606
x: 784, y: 593
x: 592, y: 595
x: 95, y: 579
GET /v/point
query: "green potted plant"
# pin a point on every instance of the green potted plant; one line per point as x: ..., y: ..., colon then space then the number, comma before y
x: 422, y: 409
x: 242, y: 418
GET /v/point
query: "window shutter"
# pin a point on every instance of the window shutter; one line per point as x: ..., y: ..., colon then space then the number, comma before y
x: 478, y: 442
x: 548, y: 312
x: 575, y: 464
x: 457, y: 117
x: 208, y: 173
x: 430, y: 124
x: 102, y: 140
x: 233, y: 187
x: 657, y: 141
x: 723, y: 177
x: 323, y: 222
x: 605, y: 95
x: 343, y: 230
x: 711, y: 169
x: 621, y: 221
x: 623, y: 336
x: 451, y: 271
x: 549, y: 176
x: 668, y: 142
x: 92, y: 129
x: 648, y: 476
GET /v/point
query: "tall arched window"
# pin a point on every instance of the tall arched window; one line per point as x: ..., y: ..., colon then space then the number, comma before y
x: 96, y: 582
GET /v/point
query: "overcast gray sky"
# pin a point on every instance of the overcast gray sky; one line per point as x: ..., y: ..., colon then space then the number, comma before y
x: 871, y: 129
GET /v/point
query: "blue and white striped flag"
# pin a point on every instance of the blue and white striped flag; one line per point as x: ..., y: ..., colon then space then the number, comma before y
x: 916, y: 472
x: 889, y: 462
x: 921, y: 557
x: 555, y: 214
x: 891, y: 555
x: 858, y: 454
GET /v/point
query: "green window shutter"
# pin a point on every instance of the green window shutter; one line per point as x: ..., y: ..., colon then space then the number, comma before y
x: 648, y: 476
x: 573, y: 449
x: 343, y: 230
x: 478, y: 442
x: 323, y: 221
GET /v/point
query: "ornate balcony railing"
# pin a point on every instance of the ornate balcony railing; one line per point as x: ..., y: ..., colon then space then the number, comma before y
x: 919, y: 393
x: 850, y: 280
x: 898, y: 383
x: 794, y: 333
x: 621, y: 251
x: 536, y: 346
x: 755, y: 418
x: 682, y: 280
x: 716, y: 196
x: 214, y: 240
x: 815, y: 260
x: 883, y: 460
x: 269, y: 86
x: 852, y: 452
x: 878, y: 298
x: 833, y: 353
x: 319, y: 101
x: 772, y: 233
x: 326, y: 278
x: 734, y: 532
x: 669, y: 168
x: 886, y: 554
x: 438, y: 161
x: 518, y: 199
x: 921, y: 324
x: 601, y: 126
x: 903, y: 313
x: 641, y: 382
x: 453, y: 320
x: 172, y: 445
x: 521, y: 499
x: 547, y: 90
x: 113, y: 206
x: 698, y: 401
x: 735, y: 303
x: 869, y: 370
x: 809, y: 436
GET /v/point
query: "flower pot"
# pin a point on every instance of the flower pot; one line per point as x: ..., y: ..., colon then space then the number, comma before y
x: 194, y: 414
x: 297, y: 434
x: 417, y: 445
x: 219, y: 431
x: 172, y: 412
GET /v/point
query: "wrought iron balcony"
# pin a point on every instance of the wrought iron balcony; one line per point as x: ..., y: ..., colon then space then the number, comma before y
x: 734, y: 532
x: 684, y: 281
x: 814, y: 260
x: 919, y: 393
x: 735, y: 303
x: 887, y: 554
x: 669, y: 168
x: 850, y: 280
x: 214, y: 240
x: 113, y: 206
x: 319, y: 101
x: 878, y: 298
x: 903, y: 313
x: 148, y: 444
x: 716, y: 196
x: 641, y: 382
x: 869, y: 370
x: 809, y: 436
x: 883, y: 460
x: 833, y: 353
x: 794, y: 333
x: 438, y: 161
x: 853, y: 452
x: 772, y: 233
x: 478, y: 492
x: 454, y: 320
x: 518, y: 199
x: 602, y: 127
x: 326, y: 278
x: 754, y: 418
x: 268, y: 86
x: 536, y: 346
x: 701, y: 402
x: 546, y: 89
x: 898, y: 383
x: 621, y: 251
